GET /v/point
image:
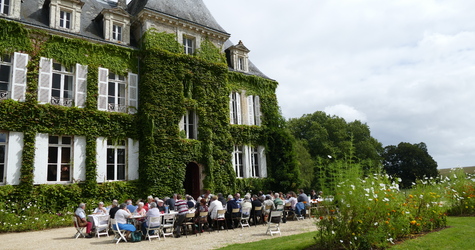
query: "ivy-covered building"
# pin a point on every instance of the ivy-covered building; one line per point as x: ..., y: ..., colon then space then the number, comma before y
x: 151, y: 93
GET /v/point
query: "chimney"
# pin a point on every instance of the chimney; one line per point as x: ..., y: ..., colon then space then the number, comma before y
x: 122, y: 4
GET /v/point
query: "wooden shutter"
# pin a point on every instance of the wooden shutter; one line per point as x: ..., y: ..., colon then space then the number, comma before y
x: 250, y: 110
x: 79, y: 160
x: 257, y: 110
x: 40, y: 170
x: 101, y: 159
x: 262, y: 162
x: 133, y: 93
x: 231, y: 108
x: 238, y: 108
x: 103, y: 77
x: 132, y: 159
x: 45, y: 80
x: 81, y: 86
x: 18, y: 87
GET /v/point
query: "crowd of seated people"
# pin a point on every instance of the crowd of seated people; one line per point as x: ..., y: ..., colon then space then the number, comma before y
x: 260, y: 206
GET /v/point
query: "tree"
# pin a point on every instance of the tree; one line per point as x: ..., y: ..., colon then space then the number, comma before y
x: 409, y: 162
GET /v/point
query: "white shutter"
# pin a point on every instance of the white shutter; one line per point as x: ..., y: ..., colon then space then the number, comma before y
x: 257, y: 110
x: 103, y: 77
x: 14, y: 157
x: 18, y: 87
x: 246, y: 162
x: 132, y: 159
x: 181, y: 125
x: 250, y: 109
x: 133, y: 93
x: 81, y: 85
x: 233, y: 160
x: 231, y: 108
x: 41, y: 159
x: 101, y: 159
x: 238, y: 108
x: 262, y: 162
x: 79, y: 151
x: 45, y: 81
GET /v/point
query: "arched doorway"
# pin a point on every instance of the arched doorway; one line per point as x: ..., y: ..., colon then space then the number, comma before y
x: 192, y: 183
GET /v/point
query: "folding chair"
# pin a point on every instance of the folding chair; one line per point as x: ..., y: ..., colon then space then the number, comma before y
x: 156, y: 229
x: 202, y: 219
x: 235, y: 217
x: 246, y: 214
x: 273, y: 224
x: 102, y: 226
x: 221, y: 217
x: 167, y: 224
x: 118, y: 234
x: 79, y: 230
x: 257, y: 214
x: 189, y: 221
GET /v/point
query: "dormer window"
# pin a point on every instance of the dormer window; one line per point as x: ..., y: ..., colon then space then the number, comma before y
x: 117, y: 32
x: 188, y: 44
x: 5, y: 7
x: 238, y: 57
x: 65, y: 19
x: 65, y: 14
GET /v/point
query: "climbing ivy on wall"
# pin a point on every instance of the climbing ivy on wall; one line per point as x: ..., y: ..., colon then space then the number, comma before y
x: 170, y: 83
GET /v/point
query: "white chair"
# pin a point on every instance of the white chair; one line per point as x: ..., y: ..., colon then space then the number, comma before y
x: 102, y: 225
x: 273, y: 223
x: 156, y: 229
x: 79, y: 230
x: 119, y: 234
x: 168, y: 224
x: 245, y: 215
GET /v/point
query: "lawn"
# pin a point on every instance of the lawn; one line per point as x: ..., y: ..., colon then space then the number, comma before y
x: 459, y: 235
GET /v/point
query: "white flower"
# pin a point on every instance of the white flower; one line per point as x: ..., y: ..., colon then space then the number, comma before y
x: 376, y: 223
x: 329, y: 156
x: 399, y: 179
x: 352, y: 186
x: 333, y: 232
x: 347, y: 205
x: 341, y: 241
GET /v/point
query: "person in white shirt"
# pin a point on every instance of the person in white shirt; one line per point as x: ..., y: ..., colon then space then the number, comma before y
x: 121, y: 216
x: 152, y: 212
x: 100, y: 209
x: 214, y: 206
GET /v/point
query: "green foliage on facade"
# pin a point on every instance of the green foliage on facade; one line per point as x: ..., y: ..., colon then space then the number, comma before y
x: 170, y: 83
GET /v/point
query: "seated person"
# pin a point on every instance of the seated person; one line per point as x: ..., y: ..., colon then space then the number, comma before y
x: 152, y: 212
x: 140, y: 209
x: 131, y: 207
x: 214, y: 206
x: 230, y: 205
x: 189, y: 201
x: 114, y: 209
x: 82, y: 220
x: 121, y: 216
x: 161, y: 206
x: 100, y: 209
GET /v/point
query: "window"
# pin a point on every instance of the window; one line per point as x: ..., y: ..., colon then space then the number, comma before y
x: 3, y: 155
x: 254, y: 110
x: 254, y: 162
x: 59, y: 158
x: 5, y: 76
x: 65, y: 19
x: 235, y: 108
x: 116, y: 32
x: 188, y: 44
x: 116, y: 93
x: 62, y: 86
x: 190, y: 121
x: 4, y: 6
x: 241, y: 63
x: 238, y: 161
x: 116, y: 160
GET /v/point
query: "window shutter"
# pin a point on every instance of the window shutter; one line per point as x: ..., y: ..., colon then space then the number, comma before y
x: 45, y: 81
x: 79, y: 154
x: 238, y: 108
x: 14, y: 157
x: 103, y: 82
x: 181, y: 125
x: 231, y: 108
x: 133, y: 93
x: 41, y: 159
x: 246, y: 163
x: 250, y: 109
x: 257, y: 110
x: 18, y: 88
x: 101, y: 159
x: 133, y: 159
x: 81, y: 85
x: 233, y: 160
x: 262, y: 162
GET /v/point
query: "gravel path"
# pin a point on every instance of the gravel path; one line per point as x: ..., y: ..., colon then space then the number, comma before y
x: 62, y: 238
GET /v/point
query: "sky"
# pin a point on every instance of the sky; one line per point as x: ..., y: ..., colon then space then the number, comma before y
x: 405, y: 68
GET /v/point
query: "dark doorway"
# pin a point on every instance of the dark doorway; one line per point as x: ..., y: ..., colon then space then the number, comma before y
x: 192, y: 183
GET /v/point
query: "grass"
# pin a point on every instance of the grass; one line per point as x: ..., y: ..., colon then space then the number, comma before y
x: 458, y: 236
x: 296, y: 241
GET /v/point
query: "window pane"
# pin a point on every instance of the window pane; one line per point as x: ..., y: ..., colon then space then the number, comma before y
x: 52, y: 154
x: 57, y: 66
x: 110, y: 172
x: 52, y: 173
x: 111, y: 90
x: 121, y: 90
x: 66, y: 140
x: 56, y: 81
x: 120, y: 172
x: 65, y: 172
x: 110, y: 156
x: 3, y: 137
x: 5, y: 73
x: 120, y: 156
x: 2, y: 155
x: 2, y: 171
x: 53, y: 140
x: 112, y: 76
x: 65, y: 155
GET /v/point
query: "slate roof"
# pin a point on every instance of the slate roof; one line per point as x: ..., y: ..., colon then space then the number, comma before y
x: 253, y: 70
